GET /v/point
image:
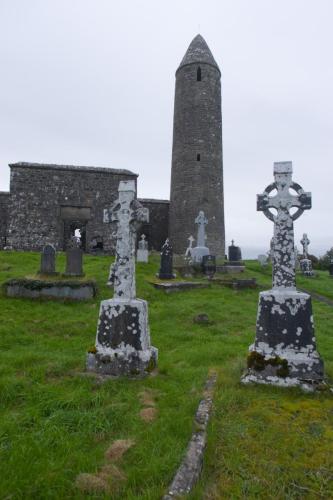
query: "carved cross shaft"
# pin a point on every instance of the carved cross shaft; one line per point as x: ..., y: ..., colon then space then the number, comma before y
x: 305, y: 242
x: 127, y: 213
x: 201, y: 220
x: 283, y: 201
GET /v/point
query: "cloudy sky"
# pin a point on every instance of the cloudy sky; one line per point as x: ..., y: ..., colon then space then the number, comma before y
x: 91, y: 82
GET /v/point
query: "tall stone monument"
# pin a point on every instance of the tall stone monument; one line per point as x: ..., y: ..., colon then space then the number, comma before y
x: 200, y: 250
x: 305, y: 262
x: 123, y: 340
x: 284, y: 352
x: 197, y: 170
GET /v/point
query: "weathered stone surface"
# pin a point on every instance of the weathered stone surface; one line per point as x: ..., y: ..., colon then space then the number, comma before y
x: 179, y: 286
x: 74, y: 259
x: 48, y: 260
x: 142, y: 252
x: 166, y: 271
x: 36, y: 289
x: 4, y: 201
x: 189, y: 471
x: 305, y: 242
x: 209, y: 265
x: 284, y: 352
x: 123, y: 338
x: 197, y: 172
x: 306, y: 267
x: 200, y: 250
x: 46, y: 199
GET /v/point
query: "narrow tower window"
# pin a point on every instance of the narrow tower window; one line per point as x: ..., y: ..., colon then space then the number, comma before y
x: 199, y: 74
x: 198, y: 157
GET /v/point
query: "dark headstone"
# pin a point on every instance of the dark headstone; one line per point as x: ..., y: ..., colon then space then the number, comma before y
x: 165, y: 272
x: 74, y: 262
x: 209, y: 265
x: 47, y: 261
x: 234, y: 254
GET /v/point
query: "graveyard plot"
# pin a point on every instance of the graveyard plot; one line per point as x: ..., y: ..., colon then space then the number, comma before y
x: 61, y: 429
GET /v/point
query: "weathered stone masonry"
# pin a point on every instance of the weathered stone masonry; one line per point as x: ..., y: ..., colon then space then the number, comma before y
x: 197, y: 174
x: 46, y: 202
x: 4, y: 199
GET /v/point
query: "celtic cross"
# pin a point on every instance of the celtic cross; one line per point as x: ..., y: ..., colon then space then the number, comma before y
x: 201, y: 220
x: 127, y: 213
x: 305, y: 242
x: 282, y: 202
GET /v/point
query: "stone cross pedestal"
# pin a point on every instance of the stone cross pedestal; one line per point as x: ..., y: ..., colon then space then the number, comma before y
x: 284, y: 352
x: 305, y: 262
x: 166, y: 271
x: 200, y: 250
x: 47, y: 260
x: 123, y: 338
x: 142, y: 252
x: 74, y: 256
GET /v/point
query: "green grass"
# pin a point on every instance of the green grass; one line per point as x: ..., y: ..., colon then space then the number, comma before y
x: 56, y: 422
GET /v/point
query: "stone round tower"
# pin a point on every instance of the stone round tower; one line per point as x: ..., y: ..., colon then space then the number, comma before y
x: 197, y: 169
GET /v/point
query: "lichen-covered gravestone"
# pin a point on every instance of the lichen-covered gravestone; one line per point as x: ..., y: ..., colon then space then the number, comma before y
x: 123, y: 339
x: 166, y: 266
x: 48, y: 260
x: 142, y: 252
x: 74, y: 256
x: 305, y: 263
x: 284, y: 352
x: 200, y: 250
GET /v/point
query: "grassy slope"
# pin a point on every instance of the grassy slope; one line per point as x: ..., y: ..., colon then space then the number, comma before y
x: 56, y: 423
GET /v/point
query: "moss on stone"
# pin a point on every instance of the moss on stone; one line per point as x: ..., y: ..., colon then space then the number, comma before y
x: 258, y: 362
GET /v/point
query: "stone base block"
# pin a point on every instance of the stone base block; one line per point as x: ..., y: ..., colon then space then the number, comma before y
x: 284, y: 352
x: 233, y: 268
x: 198, y: 253
x: 306, y: 267
x: 123, y: 340
x: 142, y: 255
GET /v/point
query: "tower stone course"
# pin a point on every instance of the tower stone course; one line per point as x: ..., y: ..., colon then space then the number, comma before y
x: 197, y: 169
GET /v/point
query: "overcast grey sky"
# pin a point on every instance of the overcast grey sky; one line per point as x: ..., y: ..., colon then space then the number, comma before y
x: 91, y: 82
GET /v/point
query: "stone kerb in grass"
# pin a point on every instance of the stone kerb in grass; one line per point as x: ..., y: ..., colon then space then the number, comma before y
x: 284, y: 352
x: 123, y: 341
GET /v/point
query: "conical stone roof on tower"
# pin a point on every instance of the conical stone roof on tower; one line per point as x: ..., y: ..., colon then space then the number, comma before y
x: 197, y: 169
